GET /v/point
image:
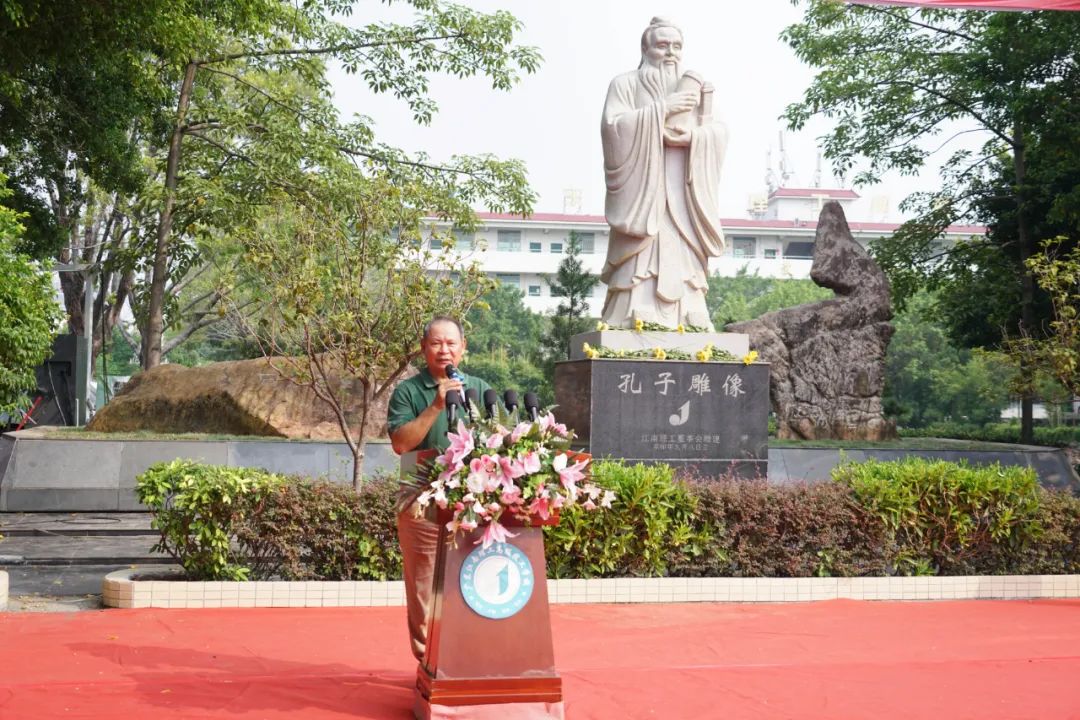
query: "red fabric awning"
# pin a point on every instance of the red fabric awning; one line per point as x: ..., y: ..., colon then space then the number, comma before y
x: 982, y: 4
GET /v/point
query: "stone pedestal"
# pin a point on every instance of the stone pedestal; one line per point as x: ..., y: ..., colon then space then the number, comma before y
x: 713, y: 416
x: 738, y: 344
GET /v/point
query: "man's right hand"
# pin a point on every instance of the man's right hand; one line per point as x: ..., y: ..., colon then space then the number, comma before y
x: 445, y: 385
x: 681, y: 102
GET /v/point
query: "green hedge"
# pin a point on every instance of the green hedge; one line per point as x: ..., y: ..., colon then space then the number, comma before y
x: 877, y: 518
x: 1061, y: 436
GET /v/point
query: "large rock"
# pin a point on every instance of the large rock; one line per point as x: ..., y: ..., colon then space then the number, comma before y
x: 828, y: 358
x: 245, y: 397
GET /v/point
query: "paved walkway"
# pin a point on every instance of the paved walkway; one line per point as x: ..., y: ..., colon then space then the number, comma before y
x: 835, y: 659
x: 68, y: 554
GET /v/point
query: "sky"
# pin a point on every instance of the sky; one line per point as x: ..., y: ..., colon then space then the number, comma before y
x: 551, y: 120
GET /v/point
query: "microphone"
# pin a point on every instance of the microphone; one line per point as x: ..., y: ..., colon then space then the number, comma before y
x: 472, y: 400
x: 453, y: 402
x: 491, y: 401
x: 510, y: 400
x: 532, y: 405
x: 454, y: 374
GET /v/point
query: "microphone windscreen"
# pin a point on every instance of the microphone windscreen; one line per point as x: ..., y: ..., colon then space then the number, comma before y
x: 472, y: 396
x: 491, y: 399
x: 510, y: 400
x: 453, y: 397
x: 531, y: 401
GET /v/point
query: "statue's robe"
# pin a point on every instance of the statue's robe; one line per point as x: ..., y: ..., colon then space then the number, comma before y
x: 662, y: 206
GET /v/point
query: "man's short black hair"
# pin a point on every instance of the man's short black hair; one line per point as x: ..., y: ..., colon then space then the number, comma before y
x: 443, y: 319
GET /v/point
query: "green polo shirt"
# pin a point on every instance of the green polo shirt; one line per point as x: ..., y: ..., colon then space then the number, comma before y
x: 412, y: 396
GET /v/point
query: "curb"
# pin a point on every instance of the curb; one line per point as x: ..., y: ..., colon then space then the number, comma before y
x: 119, y: 590
x: 3, y: 590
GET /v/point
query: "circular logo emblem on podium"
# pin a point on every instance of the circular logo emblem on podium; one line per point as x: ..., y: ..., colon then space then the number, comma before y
x: 496, y: 582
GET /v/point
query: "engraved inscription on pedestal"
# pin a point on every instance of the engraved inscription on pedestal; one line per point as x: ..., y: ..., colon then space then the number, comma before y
x: 711, y: 415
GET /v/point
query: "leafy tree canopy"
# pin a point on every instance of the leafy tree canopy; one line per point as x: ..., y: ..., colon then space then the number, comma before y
x: 28, y: 313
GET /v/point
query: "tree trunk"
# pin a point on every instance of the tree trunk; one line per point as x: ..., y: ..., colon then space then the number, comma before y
x: 358, y: 467
x: 1027, y: 283
x: 155, y: 323
x: 361, y: 440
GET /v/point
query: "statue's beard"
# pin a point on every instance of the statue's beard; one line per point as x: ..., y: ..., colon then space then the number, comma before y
x: 660, y: 80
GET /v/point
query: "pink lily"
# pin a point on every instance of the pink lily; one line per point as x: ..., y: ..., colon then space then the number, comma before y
x: 530, y: 462
x: 511, y: 469
x: 520, y: 431
x: 540, y: 506
x: 480, y: 472
x: 511, y: 495
x: 461, y: 443
x: 494, y: 441
x: 447, y: 474
x: 569, y: 475
x: 493, y: 533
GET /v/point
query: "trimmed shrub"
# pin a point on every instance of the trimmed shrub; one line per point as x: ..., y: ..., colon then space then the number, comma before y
x: 228, y: 523
x: 877, y: 518
x: 649, y: 530
x: 763, y: 530
x: 306, y: 530
x: 1055, y: 550
x: 197, y: 509
x: 946, y: 518
x: 1061, y: 436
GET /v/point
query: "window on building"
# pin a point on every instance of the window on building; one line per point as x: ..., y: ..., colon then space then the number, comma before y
x: 744, y: 247
x: 556, y: 291
x: 799, y: 250
x: 534, y: 247
x: 509, y: 279
x: 464, y: 240
x: 770, y: 253
x: 587, y: 241
x: 534, y: 291
x: 509, y: 241
x: 556, y: 248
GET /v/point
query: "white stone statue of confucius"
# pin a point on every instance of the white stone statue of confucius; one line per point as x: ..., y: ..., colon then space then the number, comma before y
x: 662, y: 159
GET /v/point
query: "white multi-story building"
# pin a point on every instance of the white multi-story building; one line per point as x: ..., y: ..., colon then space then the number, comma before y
x: 779, y: 243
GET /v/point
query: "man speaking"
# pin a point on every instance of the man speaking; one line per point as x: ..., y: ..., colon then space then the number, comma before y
x: 662, y: 159
x: 417, y: 420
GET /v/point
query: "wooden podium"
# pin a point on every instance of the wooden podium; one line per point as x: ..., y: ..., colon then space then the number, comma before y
x: 489, y: 652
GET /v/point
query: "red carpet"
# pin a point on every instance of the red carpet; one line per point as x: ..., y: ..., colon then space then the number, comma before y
x: 836, y: 659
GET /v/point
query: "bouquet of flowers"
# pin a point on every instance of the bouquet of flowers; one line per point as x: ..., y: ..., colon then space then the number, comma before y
x: 490, y: 472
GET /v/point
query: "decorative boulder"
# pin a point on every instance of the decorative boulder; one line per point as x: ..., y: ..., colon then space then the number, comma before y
x: 244, y: 397
x: 828, y: 358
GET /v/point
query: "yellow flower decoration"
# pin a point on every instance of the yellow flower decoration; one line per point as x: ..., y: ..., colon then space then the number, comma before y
x: 639, y: 325
x: 702, y: 356
x: 592, y: 354
x: 750, y: 357
x: 586, y: 347
x: 659, y: 354
x: 601, y: 325
x: 681, y: 330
